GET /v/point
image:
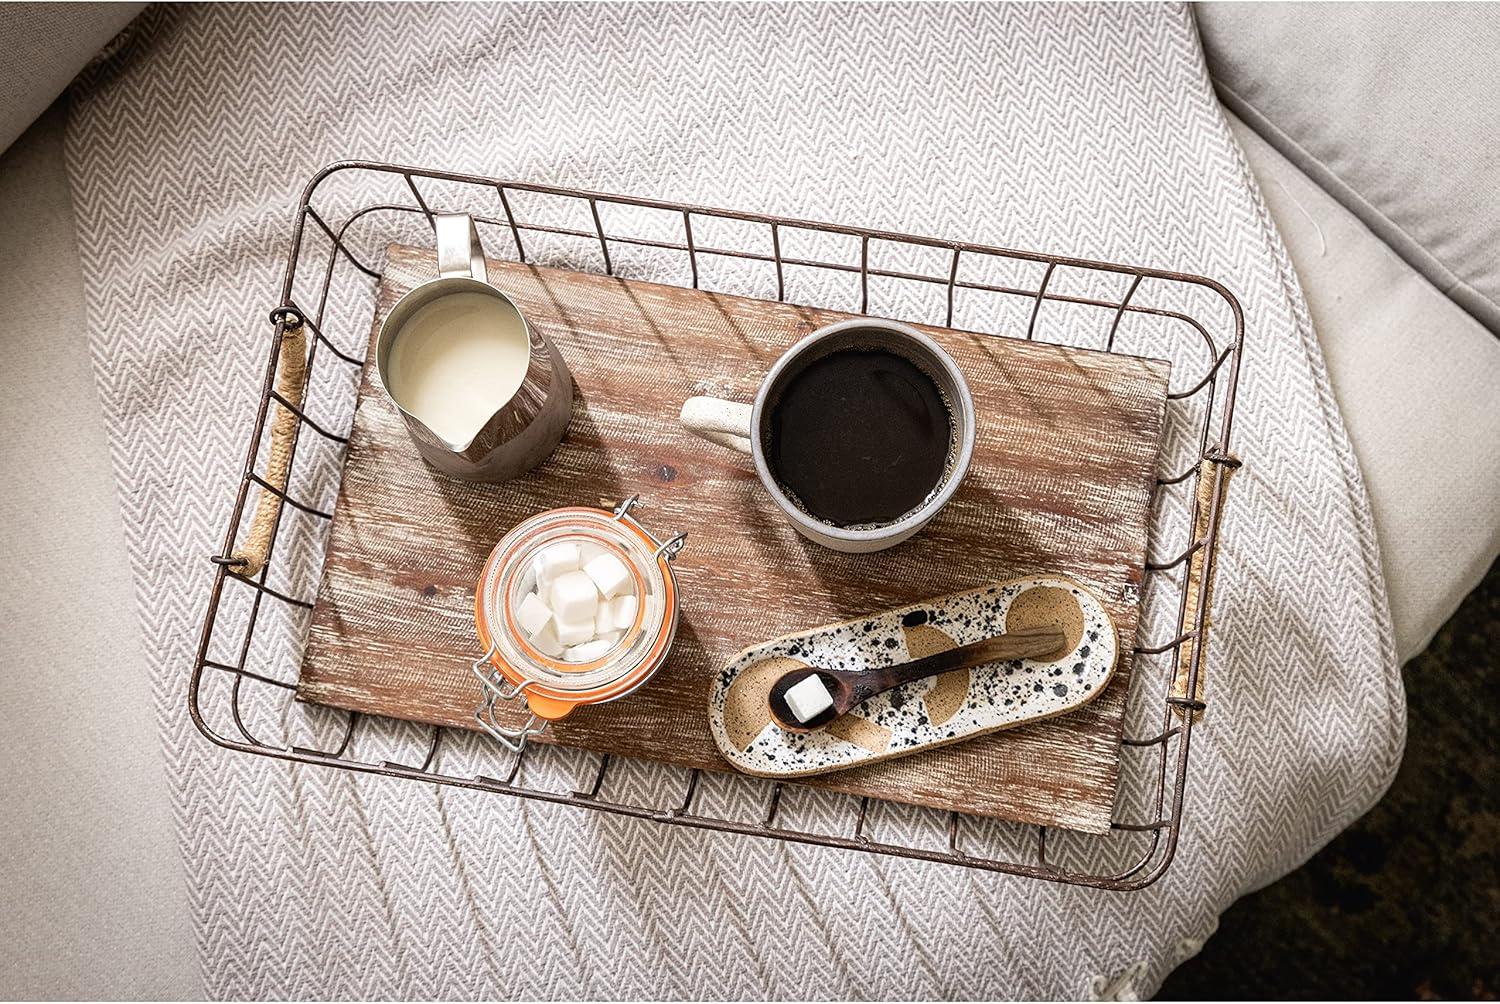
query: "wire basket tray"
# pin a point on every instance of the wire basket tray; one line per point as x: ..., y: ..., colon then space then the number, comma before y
x: 350, y: 211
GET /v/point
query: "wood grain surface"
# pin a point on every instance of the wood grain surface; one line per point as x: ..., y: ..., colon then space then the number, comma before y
x: 1064, y: 462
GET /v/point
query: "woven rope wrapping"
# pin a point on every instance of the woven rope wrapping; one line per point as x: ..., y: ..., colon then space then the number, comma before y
x: 1201, y: 568
x: 291, y: 378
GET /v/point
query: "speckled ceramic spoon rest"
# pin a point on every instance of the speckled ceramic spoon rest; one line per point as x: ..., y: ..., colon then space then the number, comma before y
x: 925, y: 713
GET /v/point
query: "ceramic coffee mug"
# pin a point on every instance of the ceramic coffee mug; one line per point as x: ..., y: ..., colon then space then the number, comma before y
x: 746, y: 427
x: 485, y: 396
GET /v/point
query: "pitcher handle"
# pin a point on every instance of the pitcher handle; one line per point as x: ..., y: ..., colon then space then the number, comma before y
x: 726, y: 423
x: 460, y: 255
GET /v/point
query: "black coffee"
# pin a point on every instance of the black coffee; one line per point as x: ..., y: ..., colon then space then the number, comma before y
x: 860, y: 437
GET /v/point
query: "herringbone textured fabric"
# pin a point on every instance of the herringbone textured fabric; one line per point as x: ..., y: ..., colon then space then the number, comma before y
x: 1084, y: 130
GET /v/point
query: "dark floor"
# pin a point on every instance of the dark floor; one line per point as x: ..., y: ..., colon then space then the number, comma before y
x: 1406, y: 902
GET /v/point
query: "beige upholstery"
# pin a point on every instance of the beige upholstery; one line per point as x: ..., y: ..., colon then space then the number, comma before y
x: 1418, y: 382
x: 46, y: 44
x: 91, y: 884
x: 1391, y: 108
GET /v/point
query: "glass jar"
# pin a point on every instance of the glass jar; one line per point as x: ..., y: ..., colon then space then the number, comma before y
x: 512, y: 668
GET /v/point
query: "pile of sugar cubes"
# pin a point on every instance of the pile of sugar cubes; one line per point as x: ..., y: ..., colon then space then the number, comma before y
x: 578, y: 602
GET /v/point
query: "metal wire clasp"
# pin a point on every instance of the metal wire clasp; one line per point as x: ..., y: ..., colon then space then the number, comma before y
x: 669, y: 548
x: 498, y: 688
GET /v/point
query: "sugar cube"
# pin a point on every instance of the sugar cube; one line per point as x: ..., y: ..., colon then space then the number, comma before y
x: 622, y: 610
x: 574, y: 598
x: 555, y: 559
x: 574, y: 634
x: 579, y: 599
x: 546, y: 641
x: 589, y: 651
x: 809, y: 698
x: 609, y: 574
x: 532, y: 614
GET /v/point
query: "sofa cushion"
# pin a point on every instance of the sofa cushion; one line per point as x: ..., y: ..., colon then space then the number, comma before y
x: 1390, y: 107
x: 94, y: 899
x: 46, y: 44
x: 1415, y: 378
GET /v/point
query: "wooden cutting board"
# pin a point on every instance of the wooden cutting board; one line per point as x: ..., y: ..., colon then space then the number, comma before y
x: 1064, y: 464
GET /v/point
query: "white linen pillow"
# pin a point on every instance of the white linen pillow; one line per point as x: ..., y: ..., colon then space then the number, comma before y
x: 1391, y: 109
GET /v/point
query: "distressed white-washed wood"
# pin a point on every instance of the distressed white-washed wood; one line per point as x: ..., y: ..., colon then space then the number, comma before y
x: 1064, y: 462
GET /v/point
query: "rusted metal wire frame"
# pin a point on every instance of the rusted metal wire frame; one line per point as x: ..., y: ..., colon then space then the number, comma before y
x: 1171, y: 772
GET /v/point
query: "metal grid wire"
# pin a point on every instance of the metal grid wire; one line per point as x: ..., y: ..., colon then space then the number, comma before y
x: 681, y: 243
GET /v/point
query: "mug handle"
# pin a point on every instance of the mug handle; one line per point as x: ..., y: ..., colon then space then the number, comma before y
x: 726, y: 423
x: 459, y: 253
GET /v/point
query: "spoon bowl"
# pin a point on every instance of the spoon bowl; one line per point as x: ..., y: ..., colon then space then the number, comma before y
x: 851, y: 688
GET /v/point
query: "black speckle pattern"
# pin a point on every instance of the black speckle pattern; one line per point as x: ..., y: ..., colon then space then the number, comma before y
x: 1000, y: 694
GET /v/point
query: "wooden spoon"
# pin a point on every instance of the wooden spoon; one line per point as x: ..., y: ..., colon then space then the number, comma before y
x: 851, y: 687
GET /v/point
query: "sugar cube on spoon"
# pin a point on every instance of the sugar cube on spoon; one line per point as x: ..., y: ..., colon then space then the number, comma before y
x: 808, y: 699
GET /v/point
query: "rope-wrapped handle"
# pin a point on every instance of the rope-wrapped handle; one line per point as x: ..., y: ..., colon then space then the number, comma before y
x: 291, y: 379
x: 1213, y: 480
